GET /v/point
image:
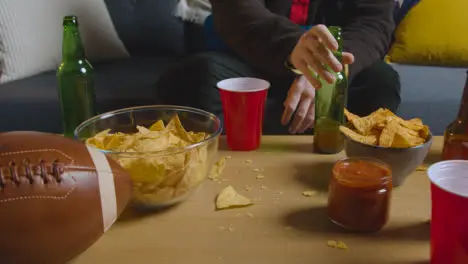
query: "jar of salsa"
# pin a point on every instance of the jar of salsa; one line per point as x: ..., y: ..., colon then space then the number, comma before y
x: 359, y: 194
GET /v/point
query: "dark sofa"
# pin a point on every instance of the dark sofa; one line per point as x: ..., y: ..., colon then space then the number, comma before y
x: 153, y: 37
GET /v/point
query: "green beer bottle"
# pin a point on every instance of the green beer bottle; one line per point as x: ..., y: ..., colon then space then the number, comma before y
x: 75, y: 79
x: 330, y: 101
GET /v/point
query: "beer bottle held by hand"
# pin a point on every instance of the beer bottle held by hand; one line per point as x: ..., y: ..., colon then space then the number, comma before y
x: 330, y: 101
x: 75, y: 78
x: 456, y: 134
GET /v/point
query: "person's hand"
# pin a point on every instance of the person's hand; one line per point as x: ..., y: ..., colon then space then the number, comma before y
x: 313, y: 52
x: 301, y: 98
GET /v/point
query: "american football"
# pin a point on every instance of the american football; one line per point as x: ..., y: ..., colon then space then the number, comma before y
x: 57, y: 197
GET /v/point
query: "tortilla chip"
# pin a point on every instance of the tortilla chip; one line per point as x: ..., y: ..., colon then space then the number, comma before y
x: 115, y: 141
x: 350, y: 116
x: 157, y: 126
x: 364, y: 125
x: 229, y: 198
x: 217, y: 169
x: 409, y: 139
x: 400, y: 142
x: 388, y: 133
x: 424, y: 132
x: 423, y: 167
x: 100, y: 139
x: 415, y: 124
x: 336, y: 244
x: 368, y: 139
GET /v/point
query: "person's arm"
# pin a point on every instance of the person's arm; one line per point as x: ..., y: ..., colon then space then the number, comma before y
x: 367, y: 31
x: 260, y: 37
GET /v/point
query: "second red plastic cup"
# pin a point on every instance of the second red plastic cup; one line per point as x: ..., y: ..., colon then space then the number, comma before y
x: 449, y: 220
x: 243, y: 102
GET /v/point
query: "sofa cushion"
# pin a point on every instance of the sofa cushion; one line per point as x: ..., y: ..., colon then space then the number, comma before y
x: 33, y: 104
x: 31, y: 34
x: 148, y: 27
x: 431, y: 93
x: 435, y: 41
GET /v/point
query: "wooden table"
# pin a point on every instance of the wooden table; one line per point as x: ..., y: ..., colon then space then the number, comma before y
x: 282, y: 227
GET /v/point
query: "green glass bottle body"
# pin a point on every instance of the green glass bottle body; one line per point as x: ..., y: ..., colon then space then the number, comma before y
x: 330, y: 101
x: 456, y: 134
x: 75, y: 77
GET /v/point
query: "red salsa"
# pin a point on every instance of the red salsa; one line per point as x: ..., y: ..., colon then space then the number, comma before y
x: 359, y: 194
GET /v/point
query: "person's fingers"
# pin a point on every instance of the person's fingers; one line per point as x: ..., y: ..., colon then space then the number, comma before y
x: 310, y: 74
x: 290, y: 104
x: 348, y: 58
x: 301, y: 114
x: 323, y: 35
x: 319, y: 69
x: 311, y: 68
x: 309, y: 119
x: 312, y: 78
x: 326, y: 57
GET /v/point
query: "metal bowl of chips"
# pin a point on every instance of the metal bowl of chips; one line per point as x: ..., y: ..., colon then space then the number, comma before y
x: 403, y: 144
x: 167, y: 150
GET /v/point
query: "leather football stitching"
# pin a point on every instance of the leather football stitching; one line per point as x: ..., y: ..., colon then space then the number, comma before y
x: 71, y: 160
x: 43, y: 197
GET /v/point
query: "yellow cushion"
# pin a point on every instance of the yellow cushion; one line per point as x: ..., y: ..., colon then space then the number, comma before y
x: 434, y: 32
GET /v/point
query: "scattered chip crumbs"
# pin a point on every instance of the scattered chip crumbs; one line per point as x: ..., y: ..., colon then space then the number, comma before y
x: 248, y: 161
x: 422, y: 167
x: 256, y: 170
x: 228, y: 157
x: 281, y: 193
x: 248, y: 188
x: 386, y: 129
x: 229, y: 198
x: 221, y: 228
x: 250, y: 215
x: 309, y: 193
x: 259, y: 177
x: 231, y: 229
x: 336, y: 244
x: 158, y: 178
x: 217, y: 169
x: 263, y: 187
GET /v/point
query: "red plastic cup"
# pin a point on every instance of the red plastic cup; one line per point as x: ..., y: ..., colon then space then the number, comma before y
x: 243, y: 102
x: 449, y: 220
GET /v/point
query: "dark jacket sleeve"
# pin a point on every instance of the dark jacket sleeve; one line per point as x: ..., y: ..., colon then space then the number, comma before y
x: 260, y: 37
x: 367, y: 31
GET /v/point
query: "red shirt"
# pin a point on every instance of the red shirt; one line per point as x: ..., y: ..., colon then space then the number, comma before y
x: 299, y: 11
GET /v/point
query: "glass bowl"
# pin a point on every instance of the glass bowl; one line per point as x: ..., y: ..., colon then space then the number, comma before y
x: 167, y: 177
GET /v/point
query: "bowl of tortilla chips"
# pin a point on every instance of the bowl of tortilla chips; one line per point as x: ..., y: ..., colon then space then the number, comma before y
x: 403, y: 144
x: 167, y: 150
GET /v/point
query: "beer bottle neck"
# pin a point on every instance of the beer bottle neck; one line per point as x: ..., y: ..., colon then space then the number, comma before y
x: 463, y: 112
x: 72, y: 47
x: 336, y: 33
